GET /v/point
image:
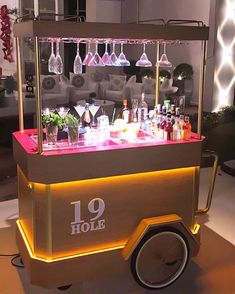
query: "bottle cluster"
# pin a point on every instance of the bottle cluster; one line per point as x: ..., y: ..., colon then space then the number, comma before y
x: 165, y: 122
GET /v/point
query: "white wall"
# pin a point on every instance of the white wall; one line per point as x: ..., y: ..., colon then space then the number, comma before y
x: 8, y: 68
x: 168, y: 9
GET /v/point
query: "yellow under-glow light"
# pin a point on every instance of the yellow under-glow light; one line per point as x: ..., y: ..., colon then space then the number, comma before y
x: 49, y: 260
x: 195, y: 229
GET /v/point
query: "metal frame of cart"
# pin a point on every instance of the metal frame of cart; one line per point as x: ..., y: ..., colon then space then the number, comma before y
x: 74, y: 224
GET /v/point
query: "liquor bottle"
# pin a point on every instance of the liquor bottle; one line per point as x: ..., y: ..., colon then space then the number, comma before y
x: 162, y: 126
x: 177, y: 111
x: 87, y: 118
x: 187, y: 127
x: 142, y: 110
x: 125, y: 112
x: 176, y: 128
x: 168, y: 130
x: 182, y: 126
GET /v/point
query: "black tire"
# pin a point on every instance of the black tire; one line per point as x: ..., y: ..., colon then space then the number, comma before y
x: 167, y: 269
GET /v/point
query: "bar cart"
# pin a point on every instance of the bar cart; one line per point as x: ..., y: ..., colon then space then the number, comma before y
x: 115, y: 207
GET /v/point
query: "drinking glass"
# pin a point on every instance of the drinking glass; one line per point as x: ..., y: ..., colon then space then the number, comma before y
x: 96, y: 59
x: 106, y: 58
x: 113, y: 57
x: 89, y: 55
x: 51, y: 61
x: 164, y: 62
x: 122, y: 61
x: 77, y: 65
x: 80, y: 110
x: 62, y: 111
x: 144, y: 61
x: 58, y: 60
x: 93, y: 109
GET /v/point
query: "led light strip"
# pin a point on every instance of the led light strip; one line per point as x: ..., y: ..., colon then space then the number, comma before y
x: 66, y: 257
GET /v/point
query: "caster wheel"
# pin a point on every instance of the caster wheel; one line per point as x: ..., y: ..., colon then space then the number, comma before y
x: 64, y: 288
x: 160, y: 258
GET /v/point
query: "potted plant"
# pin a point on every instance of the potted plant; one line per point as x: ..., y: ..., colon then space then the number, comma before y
x: 72, y: 124
x: 52, y: 122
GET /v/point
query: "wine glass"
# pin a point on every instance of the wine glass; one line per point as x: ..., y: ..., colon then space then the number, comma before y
x: 77, y: 65
x: 93, y: 109
x: 106, y: 58
x: 96, y: 59
x: 51, y: 61
x: 89, y: 55
x: 58, y: 60
x: 80, y: 110
x: 113, y: 57
x: 122, y: 58
x: 144, y: 61
x: 164, y: 62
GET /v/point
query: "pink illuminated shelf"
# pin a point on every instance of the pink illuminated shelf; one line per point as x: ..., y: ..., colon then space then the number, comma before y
x: 27, y: 140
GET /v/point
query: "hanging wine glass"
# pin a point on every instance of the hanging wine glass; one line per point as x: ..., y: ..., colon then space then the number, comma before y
x: 96, y: 59
x: 113, y: 57
x: 122, y: 58
x: 106, y: 58
x: 93, y: 109
x: 77, y: 65
x: 58, y: 60
x: 144, y: 61
x: 164, y: 62
x: 51, y: 61
x: 89, y: 55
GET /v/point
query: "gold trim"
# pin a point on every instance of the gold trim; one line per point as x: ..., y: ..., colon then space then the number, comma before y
x: 20, y: 83
x: 32, y: 256
x: 38, y: 95
x: 201, y: 90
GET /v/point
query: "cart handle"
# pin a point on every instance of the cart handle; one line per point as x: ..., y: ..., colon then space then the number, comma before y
x: 206, y: 154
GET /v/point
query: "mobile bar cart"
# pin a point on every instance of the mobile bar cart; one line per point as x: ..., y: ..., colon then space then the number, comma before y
x: 86, y: 211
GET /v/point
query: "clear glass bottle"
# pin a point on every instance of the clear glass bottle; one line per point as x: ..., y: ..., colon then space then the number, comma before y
x: 125, y: 112
x: 176, y: 128
x: 181, y: 122
x: 142, y: 110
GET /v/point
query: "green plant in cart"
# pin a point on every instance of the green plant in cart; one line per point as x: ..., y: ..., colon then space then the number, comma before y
x: 72, y: 124
x: 52, y: 122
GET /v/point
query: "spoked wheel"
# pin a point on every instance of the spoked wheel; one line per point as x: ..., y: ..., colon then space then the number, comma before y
x: 160, y: 258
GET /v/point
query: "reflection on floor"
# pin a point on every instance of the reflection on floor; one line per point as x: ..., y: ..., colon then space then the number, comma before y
x: 212, y: 271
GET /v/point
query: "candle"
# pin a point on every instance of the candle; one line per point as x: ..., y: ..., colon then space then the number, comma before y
x: 36, y: 8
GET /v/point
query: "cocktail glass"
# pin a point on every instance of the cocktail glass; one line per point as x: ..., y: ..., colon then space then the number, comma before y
x: 93, y: 109
x: 96, y: 59
x: 164, y: 62
x: 89, y: 55
x: 114, y: 58
x: 80, y: 110
x: 144, y: 61
x: 106, y: 58
x: 122, y: 61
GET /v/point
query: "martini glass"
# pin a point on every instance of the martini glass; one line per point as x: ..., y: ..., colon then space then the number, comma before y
x: 144, y: 61
x: 62, y: 111
x: 96, y: 59
x: 51, y: 61
x: 106, y: 58
x: 164, y: 62
x: 89, y: 55
x: 114, y: 58
x: 93, y: 109
x: 77, y: 65
x: 80, y: 110
x: 58, y: 60
x: 122, y: 58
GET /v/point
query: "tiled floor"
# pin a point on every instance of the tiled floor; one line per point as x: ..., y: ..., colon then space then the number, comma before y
x: 211, y: 272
